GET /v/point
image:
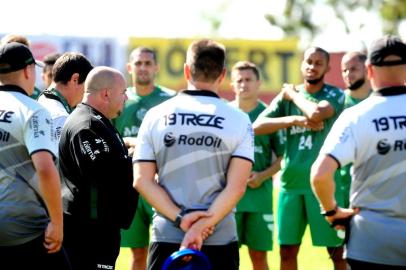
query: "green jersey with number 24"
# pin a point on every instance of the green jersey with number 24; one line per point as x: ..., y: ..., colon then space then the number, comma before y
x: 302, y: 144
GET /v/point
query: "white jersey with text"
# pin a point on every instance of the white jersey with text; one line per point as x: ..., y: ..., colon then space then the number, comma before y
x: 25, y: 128
x: 192, y: 138
x: 372, y: 135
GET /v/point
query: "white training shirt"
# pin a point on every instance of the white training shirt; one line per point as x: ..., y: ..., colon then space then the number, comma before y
x: 192, y: 137
x: 25, y: 128
x: 57, y: 111
x: 372, y: 135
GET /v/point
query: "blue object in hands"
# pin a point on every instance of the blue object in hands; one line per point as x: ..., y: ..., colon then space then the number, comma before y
x: 176, y: 261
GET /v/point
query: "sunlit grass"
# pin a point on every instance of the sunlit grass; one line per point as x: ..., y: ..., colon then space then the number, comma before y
x: 310, y: 258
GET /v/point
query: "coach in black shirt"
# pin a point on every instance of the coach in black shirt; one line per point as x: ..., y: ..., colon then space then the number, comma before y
x: 98, y: 197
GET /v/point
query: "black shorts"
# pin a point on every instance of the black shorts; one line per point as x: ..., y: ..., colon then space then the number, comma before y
x: 221, y: 257
x: 91, y: 246
x: 32, y: 255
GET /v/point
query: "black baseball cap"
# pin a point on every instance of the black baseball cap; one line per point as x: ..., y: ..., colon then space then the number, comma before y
x: 15, y: 56
x: 385, y: 46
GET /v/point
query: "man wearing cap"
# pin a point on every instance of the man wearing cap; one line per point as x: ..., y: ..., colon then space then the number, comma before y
x: 371, y: 135
x: 31, y: 227
x: 69, y: 74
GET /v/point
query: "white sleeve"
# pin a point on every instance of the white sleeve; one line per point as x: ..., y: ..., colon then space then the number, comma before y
x: 340, y: 142
x: 38, y: 133
x: 246, y: 148
x: 144, y: 150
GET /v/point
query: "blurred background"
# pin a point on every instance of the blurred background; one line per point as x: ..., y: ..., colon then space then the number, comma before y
x: 270, y: 33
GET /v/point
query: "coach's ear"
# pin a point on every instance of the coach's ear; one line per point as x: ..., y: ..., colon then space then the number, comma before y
x: 370, y: 71
x: 186, y: 72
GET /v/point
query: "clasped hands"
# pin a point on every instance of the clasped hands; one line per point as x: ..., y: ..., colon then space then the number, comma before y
x: 194, y: 224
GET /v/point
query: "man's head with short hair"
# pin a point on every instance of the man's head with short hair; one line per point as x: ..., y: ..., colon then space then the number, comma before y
x: 206, y: 60
x: 105, y: 89
x: 315, y: 65
x: 142, y: 49
x: 245, y: 81
x: 69, y: 74
x: 246, y: 65
x: 49, y: 61
x: 143, y: 67
x: 68, y: 64
x: 353, y: 70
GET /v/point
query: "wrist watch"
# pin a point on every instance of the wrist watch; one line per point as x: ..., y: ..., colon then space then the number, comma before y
x: 179, y: 217
x: 330, y: 212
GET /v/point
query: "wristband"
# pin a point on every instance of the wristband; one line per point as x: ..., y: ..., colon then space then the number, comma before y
x: 330, y: 212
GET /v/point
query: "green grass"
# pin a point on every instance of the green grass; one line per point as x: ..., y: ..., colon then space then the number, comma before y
x: 310, y: 258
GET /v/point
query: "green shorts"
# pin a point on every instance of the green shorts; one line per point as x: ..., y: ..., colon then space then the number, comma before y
x: 295, y: 211
x: 255, y: 230
x: 137, y: 236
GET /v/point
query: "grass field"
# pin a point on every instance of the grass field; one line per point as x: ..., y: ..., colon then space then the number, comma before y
x: 310, y: 258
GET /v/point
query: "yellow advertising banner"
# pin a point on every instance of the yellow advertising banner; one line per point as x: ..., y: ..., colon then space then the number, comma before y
x: 279, y: 60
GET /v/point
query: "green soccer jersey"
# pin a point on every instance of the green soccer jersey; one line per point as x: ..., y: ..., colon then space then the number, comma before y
x: 135, y: 108
x: 302, y: 144
x: 345, y: 172
x: 36, y: 93
x: 260, y: 199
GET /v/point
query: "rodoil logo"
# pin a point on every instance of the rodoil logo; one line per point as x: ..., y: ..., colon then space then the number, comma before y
x: 201, y: 140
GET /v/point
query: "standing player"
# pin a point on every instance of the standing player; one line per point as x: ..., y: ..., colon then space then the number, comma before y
x: 307, y: 112
x: 69, y: 75
x: 354, y: 74
x: 46, y: 74
x: 254, y: 216
x: 31, y: 220
x: 203, y: 151
x: 371, y: 135
x: 142, y: 96
x: 97, y: 191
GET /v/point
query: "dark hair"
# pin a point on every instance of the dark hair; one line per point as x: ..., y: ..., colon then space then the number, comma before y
x: 246, y: 65
x: 206, y: 59
x: 361, y: 57
x: 68, y: 64
x: 143, y: 50
x: 49, y: 61
x: 323, y: 51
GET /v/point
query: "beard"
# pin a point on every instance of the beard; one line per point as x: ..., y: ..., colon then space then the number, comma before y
x: 315, y: 81
x: 143, y: 82
x: 357, y: 84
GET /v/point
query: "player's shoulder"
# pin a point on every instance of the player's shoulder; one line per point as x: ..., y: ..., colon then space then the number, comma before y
x: 30, y: 105
x: 164, y: 91
x: 330, y: 87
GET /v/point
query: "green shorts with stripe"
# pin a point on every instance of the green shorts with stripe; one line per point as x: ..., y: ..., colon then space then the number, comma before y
x: 255, y: 230
x: 137, y: 236
x: 295, y: 211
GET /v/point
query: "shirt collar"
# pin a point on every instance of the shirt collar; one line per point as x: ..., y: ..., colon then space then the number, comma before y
x: 202, y: 92
x: 391, y: 91
x: 13, y: 88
